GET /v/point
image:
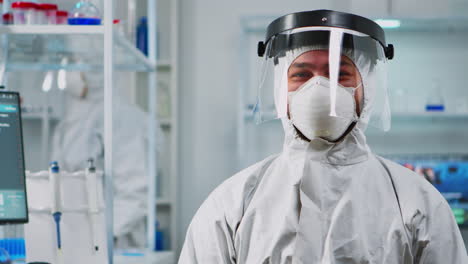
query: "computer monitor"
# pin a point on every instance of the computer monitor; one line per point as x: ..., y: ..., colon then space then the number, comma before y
x: 13, y: 200
x: 449, y: 175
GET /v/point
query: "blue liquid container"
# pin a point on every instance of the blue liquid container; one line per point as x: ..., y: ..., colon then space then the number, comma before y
x: 435, y: 107
x: 142, y: 36
x: 159, y: 239
x: 84, y: 13
x: 435, y: 99
x: 159, y: 243
x: 84, y: 21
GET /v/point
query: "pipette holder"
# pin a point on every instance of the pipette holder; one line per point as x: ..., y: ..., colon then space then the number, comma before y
x: 76, y: 236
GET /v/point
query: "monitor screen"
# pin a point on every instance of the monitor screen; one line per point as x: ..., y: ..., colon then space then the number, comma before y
x: 13, y: 202
x: 449, y: 176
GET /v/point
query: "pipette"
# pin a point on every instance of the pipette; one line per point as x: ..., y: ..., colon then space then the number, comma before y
x: 93, y: 210
x: 56, y: 208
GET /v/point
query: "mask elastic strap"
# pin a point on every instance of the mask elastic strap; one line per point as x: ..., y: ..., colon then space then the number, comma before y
x: 361, y: 104
x: 334, y: 57
x: 282, y: 95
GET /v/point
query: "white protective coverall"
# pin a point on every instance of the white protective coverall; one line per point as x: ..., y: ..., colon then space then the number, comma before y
x: 80, y: 136
x: 327, y: 203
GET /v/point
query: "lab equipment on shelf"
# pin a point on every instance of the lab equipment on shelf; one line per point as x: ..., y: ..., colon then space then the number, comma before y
x: 47, y: 14
x: 84, y: 13
x: 56, y: 208
x: 435, y: 100
x: 78, y: 234
x: 24, y: 13
x: 93, y: 206
x: 7, y: 18
x: 31, y: 13
x: 62, y: 17
x: 159, y: 238
x: 142, y: 35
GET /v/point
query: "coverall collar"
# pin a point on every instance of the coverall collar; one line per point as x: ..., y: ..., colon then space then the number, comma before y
x: 352, y: 149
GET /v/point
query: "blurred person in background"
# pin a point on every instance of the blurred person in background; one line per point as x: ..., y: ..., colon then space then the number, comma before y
x: 80, y: 136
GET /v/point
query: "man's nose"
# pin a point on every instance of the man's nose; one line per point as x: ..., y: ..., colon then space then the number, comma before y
x: 321, y: 73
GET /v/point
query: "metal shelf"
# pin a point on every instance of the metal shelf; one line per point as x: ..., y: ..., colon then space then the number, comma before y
x: 422, y: 116
x: 164, y: 122
x: 51, y: 48
x: 18, y: 67
x: 54, y: 29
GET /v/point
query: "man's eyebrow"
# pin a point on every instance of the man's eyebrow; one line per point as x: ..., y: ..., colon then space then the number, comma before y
x: 346, y: 63
x: 303, y: 65
x: 311, y: 65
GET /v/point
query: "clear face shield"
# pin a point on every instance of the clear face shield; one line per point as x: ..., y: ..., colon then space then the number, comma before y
x: 324, y: 79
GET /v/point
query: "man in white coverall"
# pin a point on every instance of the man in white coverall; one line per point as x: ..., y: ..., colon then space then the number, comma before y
x: 326, y: 198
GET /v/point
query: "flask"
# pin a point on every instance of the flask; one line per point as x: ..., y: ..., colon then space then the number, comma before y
x: 435, y: 100
x: 84, y: 13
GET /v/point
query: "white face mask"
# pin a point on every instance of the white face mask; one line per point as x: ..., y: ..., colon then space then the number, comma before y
x: 309, y: 109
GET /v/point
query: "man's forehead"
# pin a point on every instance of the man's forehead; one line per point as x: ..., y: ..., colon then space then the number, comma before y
x: 317, y: 58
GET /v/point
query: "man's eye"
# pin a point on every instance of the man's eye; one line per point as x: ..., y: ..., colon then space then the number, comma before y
x: 344, y: 73
x: 301, y: 75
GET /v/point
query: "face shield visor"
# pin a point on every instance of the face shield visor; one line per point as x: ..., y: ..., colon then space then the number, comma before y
x: 335, y: 75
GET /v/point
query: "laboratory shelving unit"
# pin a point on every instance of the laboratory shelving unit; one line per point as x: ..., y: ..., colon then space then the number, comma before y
x: 114, y: 43
x: 167, y: 68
